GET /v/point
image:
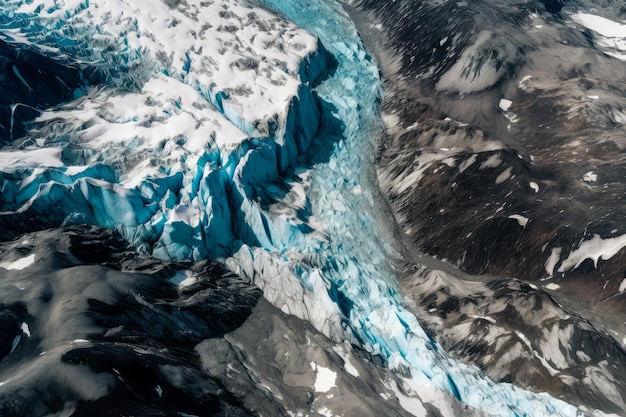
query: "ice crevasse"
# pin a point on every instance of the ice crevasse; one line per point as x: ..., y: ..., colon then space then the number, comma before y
x: 165, y: 143
x: 204, y: 137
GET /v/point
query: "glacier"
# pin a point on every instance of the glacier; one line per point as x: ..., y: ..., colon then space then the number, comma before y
x: 262, y: 157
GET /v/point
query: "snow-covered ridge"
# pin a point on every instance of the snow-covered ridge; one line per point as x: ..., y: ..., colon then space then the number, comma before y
x: 610, y: 35
x: 192, y: 96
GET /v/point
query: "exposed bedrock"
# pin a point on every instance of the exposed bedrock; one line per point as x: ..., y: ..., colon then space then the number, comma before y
x: 504, y: 157
x: 505, y: 145
x: 86, y: 325
x: 516, y: 332
x: 30, y: 82
x: 99, y: 327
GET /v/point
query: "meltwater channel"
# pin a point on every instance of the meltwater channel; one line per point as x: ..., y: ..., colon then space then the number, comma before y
x: 356, y: 256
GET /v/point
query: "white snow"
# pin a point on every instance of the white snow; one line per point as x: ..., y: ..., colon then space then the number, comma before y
x: 492, y: 162
x: 25, y: 329
x: 232, y: 51
x: 553, y: 286
x: 553, y: 259
x: 523, y: 83
x: 391, y: 121
x: 10, y: 160
x: 505, y: 175
x: 523, y: 221
x: 467, y: 163
x: 324, y: 379
x: 463, y: 78
x: 595, y: 249
x: 412, y: 405
x: 20, y: 264
x: 590, y: 177
x: 489, y: 319
x: 610, y: 35
x: 536, y: 354
x: 184, y: 279
x: 534, y: 186
x: 622, y: 286
x: 326, y: 412
x: 602, y: 25
x: 159, y: 390
x: 344, y: 353
x: 505, y: 104
x: 551, y: 370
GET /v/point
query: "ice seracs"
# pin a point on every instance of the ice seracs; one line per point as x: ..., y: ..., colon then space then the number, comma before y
x: 195, y: 102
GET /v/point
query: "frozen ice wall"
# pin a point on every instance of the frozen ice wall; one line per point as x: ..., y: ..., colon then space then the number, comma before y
x: 195, y: 105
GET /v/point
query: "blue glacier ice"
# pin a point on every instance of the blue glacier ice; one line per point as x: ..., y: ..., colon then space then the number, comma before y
x: 179, y: 136
x: 287, y: 198
x: 354, y: 259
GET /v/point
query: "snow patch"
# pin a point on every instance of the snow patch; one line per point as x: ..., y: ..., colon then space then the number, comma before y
x: 505, y: 104
x: 590, y: 177
x: 595, y: 249
x: 411, y: 405
x: 325, y: 378
x: 184, y: 279
x: 467, y: 163
x: 475, y: 70
x: 553, y: 286
x: 344, y: 353
x: 582, y: 356
x: 493, y: 161
x: 16, y: 342
x: 20, y: 264
x: 553, y: 259
x: 610, y: 35
x: 505, y: 175
x: 521, y: 220
x: 487, y: 318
